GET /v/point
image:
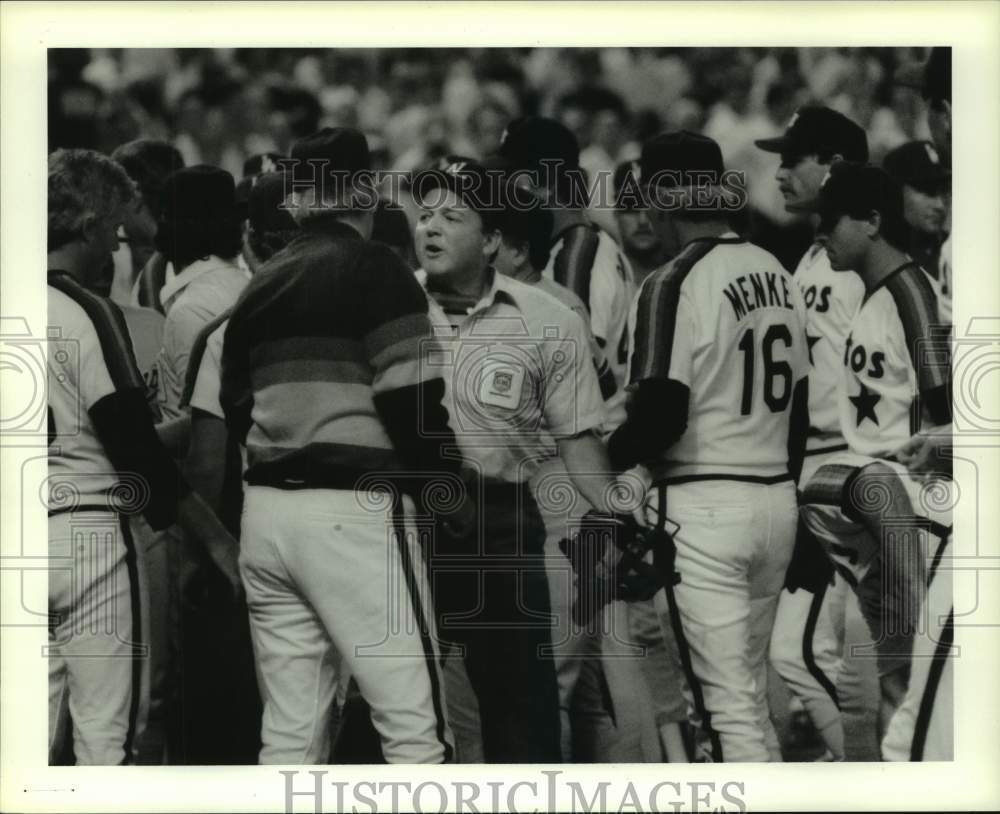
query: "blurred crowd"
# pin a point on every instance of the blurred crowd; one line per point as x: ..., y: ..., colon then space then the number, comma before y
x: 220, y: 106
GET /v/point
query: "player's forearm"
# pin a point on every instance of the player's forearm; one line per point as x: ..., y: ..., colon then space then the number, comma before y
x: 205, y: 465
x: 586, y: 460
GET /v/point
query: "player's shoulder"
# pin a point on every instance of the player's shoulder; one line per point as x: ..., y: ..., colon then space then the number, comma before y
x: 561, y: 293
x: 77, y: 312
x: 144, y: 319
x: 541, y: 307
x: 910, y: 293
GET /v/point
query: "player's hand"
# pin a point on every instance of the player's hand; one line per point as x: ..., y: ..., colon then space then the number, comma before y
x: 224, y: 552
x: 635, y: 485
x: 201, y: 525
x: 924, y: 454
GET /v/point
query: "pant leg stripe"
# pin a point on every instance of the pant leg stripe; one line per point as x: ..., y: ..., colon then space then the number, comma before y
x: 399, y: 529
x: 938, y: 554
x: 132, y: 567
x: 930, y: 690
x: 807, y: 646
x: 666, y: 569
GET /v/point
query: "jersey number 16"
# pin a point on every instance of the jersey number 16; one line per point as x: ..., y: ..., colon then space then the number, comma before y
x: 776, y: 398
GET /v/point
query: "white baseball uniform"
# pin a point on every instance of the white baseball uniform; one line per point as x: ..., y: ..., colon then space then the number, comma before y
x: 728, y: 322
x: 808, y: 639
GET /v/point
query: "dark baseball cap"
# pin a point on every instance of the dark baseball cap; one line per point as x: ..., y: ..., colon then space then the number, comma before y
x: 266, y: 204
x: 201, y: 192
x: 336, y: 152
x: 480, y: 187
x: 856, y: 190
x: 917, y: 164
x: 529, y: 140
x: 680, y: 159
x: 815, y: 129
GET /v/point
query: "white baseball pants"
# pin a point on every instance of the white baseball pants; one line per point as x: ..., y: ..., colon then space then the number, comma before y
x: 732, y: 550
x: 97, y: 660
x: 333, y: 573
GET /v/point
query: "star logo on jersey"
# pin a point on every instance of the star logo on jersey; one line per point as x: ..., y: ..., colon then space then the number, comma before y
x: 864, y: 402
x: 810, y: 341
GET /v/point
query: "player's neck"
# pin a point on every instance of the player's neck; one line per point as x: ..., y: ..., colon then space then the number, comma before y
x: 881, y: 261
x: 71, y: 258
x: 471, y: 283
x: 527, y: 274
x: 696, y: 230
x: 565, y: 217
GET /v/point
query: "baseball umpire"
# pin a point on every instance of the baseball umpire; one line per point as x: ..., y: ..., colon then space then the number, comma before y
x: 717, y: 411
x: 517, y: 364
x: 322, y: 379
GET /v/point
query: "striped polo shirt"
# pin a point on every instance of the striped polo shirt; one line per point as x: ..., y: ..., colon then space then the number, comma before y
x: 322, y: 330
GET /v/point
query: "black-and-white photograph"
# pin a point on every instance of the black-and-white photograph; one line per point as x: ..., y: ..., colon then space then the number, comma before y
x: 499, y: 406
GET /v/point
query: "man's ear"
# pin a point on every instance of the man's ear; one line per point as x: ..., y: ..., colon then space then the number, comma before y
x: 88, y: 228
x: 873, y: 224
x: 492, y: 242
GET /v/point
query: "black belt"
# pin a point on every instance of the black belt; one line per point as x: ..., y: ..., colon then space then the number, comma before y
x: 766, y: 481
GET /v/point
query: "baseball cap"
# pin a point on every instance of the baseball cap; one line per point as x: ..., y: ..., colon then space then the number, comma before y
x: 264, y: 205
x: 255, y: 165
x: 917, y: 164
x: 201, y: 192
x: 626, y: 187
x: 815, y: 129
x: 529, y: 140
x: 333, y: 152
x: 680, y: 159
x: 856, y: 190
x: 481, y: 186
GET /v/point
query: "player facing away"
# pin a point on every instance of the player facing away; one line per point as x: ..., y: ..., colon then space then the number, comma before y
x: 323, y: 383
x: 583, y: 257
x: 880, y: 527
x: 717, y: 412
x: 808, y: 639
x: 105, y: 464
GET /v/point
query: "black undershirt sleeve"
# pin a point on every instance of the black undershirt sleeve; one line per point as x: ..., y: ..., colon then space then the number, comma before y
x: 417, y: 423
x: 125, y: 429
x: 798, y: 428
x: 656, y: 418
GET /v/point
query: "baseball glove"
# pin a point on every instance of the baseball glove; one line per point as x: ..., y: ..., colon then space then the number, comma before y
x: 608, y: 556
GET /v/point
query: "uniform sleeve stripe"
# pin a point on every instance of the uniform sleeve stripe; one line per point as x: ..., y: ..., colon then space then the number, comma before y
x: 197, y: 353
x: 826, y: 486
x: 917, y: 308
x: 112, y: 331
x: 575, y: 261
x: 656, y: 315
